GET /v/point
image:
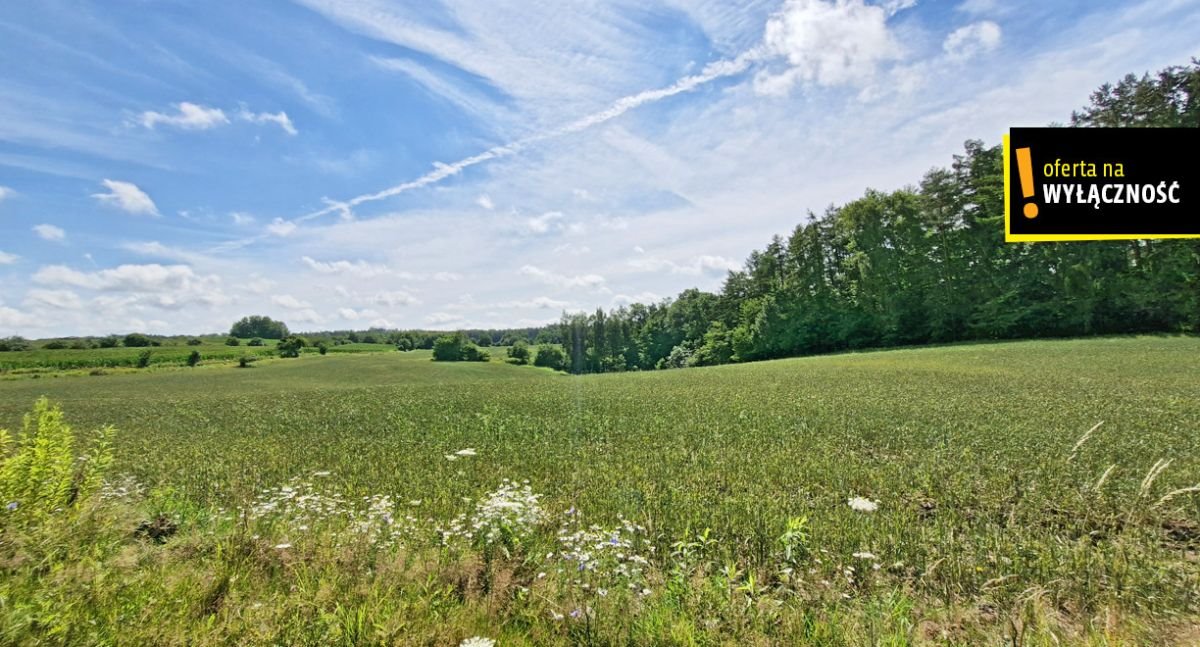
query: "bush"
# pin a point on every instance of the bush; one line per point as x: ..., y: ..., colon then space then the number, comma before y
x: 473, y: 353
x: 194, y: 342
x: 290, y: 346
x: 44, y: 476
x: 457, y: 348
x: 518, y: 353
x: 322, y: 348
x: 136, y: 340
x: 245, y: 361
x: 57, y: 344
x: 233, y: 341
x: 257, y: 341
x: 259, y: 326
x: 143, y: 359
x: 13, y: 344
x: 194, y: 358
x: 484, y: 341
x: 111, y: 341
x: 550, y: 357
x: 404, y: 344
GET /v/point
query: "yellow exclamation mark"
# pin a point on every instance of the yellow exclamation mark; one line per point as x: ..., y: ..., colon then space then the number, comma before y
x: 1025, y: 170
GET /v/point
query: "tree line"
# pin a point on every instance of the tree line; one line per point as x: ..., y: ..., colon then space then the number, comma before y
x: 925, y: 264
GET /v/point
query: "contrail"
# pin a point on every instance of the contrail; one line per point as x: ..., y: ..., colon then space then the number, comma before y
x: 711, y: 72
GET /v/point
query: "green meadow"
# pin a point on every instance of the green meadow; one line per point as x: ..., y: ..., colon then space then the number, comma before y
x: 946, y: 495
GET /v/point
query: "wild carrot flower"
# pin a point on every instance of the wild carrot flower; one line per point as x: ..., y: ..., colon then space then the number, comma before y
x: 860, y: 504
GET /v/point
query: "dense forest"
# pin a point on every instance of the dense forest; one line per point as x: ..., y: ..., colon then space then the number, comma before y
x: 921, y: 265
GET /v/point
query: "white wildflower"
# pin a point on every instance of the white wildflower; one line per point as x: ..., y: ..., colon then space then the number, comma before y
x: 864, y: 554
x: 860, y: 504
x: 478, y: 641
x: 282, y: 546
x: 465, y: 452
x: 322, y: 474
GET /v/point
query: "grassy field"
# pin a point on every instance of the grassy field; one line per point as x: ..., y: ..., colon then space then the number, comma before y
x: 362, y: 499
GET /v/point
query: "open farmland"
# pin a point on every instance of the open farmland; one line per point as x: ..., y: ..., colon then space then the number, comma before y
x: 691, y: 507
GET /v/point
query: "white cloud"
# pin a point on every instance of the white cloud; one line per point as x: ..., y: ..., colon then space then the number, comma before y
x: 190, y: 116
x: 49, y: 232
x: 641, y: 297
x: 972, y: 40
x: 539, y: 303
x: 13, y: 319
x: 356, y: 268
x: 126, y: 196
x: 150, y: 277
x: 893, y: 7
x: 561, y: 280
x: 349, y: 314
x: 698, y: 265
x: 8, y: 259
x: 545, y: 222
x: 241, y: 218
x: 6, y: 193
x: 441, y: 318
x: 280, y: 227
x: 485, y: 201
x: 826, y: 42
x: 394, y: 298
x: 290, y: 302
x: 61, y: 299
x: 279, y: 118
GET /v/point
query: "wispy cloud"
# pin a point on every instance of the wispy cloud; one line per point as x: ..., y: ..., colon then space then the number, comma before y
x: 127, y: 197
x: 6, y: 193
x: 188, y: 116
x: 8, y: 259
x: 50, y: 232
x: 562, y: 280
x: 972, y: 40
x: 278, y: 118
x: 441, y: 171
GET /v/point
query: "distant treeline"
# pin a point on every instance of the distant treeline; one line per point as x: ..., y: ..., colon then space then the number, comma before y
x: 922, y: 265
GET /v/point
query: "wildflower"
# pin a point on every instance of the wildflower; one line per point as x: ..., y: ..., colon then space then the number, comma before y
x: 478, y: 641
x: 859, y: 504
x: 12, y: 506
x: 450, y: 457
x: 322, y: 474
x: 865, y: 555
x: 465, y: 452
x: 282, y: 546
x: 554, y: 615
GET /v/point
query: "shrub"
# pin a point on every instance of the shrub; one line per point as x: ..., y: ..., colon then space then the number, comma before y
x: 245, y: 361
x: 44, y: 475
x: 550, y: 357
x: 257, y: 341
x: 143, y: 359
x: 484, y: 341
x: 473, y: 353
x: 457, y: 348
x: 518, y: 353
x: 194, y: 342
x: 322, y: 348
x: 404, y: 344
x: 13, y: 343
x: 136, y: 340
x: 57, y: 344
x: 233, y: 341
x: 194, y: 358
x: 290, y: 346
x: 111, y: 341
x: 449, y: 348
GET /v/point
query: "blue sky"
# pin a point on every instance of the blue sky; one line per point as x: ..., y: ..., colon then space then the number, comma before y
x: 171, y: 166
